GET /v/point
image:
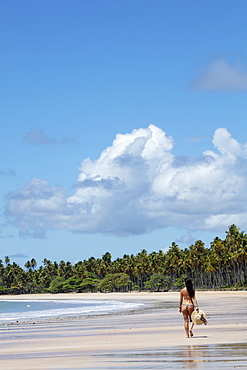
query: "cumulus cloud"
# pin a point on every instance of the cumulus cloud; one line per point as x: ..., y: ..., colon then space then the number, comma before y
x: 222, y: 77
x: 138, y: 185
x: 38, y: 137
x: 36, y: 207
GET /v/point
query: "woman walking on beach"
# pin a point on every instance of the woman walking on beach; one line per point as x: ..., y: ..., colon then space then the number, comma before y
x: 188, y: 303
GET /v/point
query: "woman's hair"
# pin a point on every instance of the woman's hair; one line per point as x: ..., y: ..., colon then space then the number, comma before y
x: 189, y: 287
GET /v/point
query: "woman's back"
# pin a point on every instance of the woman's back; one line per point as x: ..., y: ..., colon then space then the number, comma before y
x: 186, y: 297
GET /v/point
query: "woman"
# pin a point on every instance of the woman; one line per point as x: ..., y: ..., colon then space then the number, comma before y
x: 187, y: 305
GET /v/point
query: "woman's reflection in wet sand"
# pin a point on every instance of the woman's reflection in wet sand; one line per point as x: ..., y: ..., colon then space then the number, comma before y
x: 193, y: 357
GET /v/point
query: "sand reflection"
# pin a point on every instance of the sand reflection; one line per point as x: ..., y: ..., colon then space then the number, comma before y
x: 224, y: 356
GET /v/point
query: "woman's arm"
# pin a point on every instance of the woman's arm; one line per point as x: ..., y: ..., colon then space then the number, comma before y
x: 181, y: 301
x: 195, y: 303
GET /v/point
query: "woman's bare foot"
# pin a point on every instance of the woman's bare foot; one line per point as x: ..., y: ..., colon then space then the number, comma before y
x: 191, y: 333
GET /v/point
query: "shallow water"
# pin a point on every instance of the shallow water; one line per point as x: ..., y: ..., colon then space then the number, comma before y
x: 223, y: 356
x: 35, y: 309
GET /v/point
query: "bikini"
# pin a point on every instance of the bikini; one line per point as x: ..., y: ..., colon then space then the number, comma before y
x: 188, y: 305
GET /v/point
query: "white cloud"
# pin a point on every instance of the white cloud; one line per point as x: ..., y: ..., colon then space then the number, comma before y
x: 36, y: 207
x: 137, y: 185
x: 222, y: 77
x: 226, y: 144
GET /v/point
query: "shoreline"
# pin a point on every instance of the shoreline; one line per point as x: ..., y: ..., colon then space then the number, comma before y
x: 117, y: 339
x: 153, y: 301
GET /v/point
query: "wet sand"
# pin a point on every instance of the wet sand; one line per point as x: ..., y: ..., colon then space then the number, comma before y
x: 150, y: 338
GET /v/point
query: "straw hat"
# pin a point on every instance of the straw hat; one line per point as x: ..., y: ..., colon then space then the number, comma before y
x: 199, y: 317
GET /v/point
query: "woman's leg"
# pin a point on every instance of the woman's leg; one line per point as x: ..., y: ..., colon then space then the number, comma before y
x: 190, y: 310
x: 191, y: 327
x: 186, y: 322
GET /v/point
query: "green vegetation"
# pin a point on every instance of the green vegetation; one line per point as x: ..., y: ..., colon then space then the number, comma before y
x: 221, y: 266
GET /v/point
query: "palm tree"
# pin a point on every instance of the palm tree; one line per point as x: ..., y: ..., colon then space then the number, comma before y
x: 33, y: 263
x: 80, y: 270
x: 7, y: 260
x: 173, y: 262
x: 236, y: 242
x: 142, y: 267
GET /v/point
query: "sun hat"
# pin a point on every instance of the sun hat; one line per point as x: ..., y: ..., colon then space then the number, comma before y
x: 199, y: 317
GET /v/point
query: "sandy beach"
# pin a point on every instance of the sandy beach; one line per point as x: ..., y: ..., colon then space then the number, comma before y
x: 149, y: 338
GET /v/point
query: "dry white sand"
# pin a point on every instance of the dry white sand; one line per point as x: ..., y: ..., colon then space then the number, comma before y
x: 151, y: 338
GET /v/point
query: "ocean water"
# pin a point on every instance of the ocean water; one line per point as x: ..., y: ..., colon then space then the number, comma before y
x: 22, y: 310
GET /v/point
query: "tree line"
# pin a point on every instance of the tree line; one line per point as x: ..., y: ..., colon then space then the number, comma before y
x: 221, y: 266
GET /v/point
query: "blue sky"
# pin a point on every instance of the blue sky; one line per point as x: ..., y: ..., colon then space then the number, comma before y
x: 123, y: 125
